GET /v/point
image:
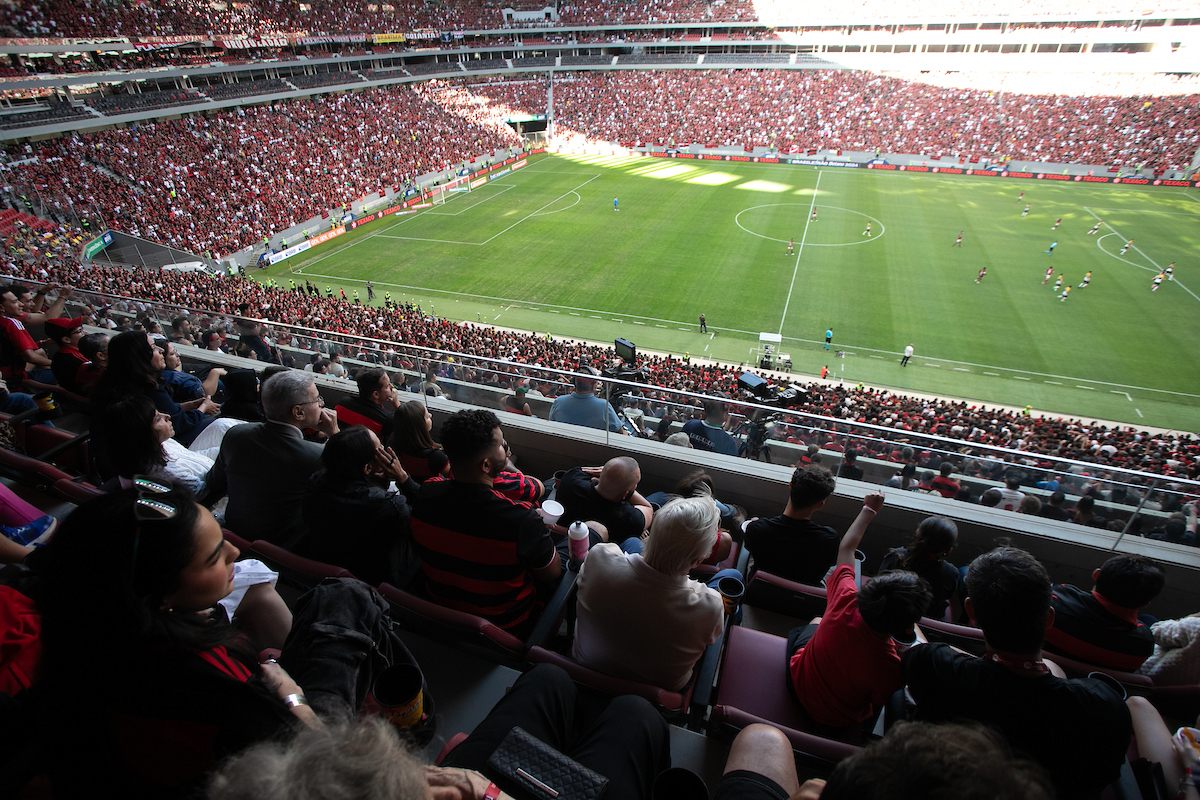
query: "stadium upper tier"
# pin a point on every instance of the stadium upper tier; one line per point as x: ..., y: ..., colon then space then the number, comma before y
x: 93, y: 18
x: 221, y: 182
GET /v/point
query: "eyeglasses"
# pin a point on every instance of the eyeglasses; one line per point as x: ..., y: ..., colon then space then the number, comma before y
x: 147, y: 509
x: 319, y: 401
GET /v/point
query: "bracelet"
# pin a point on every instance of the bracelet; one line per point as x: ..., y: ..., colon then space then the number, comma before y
x: 294, y: 700
x: 868, y: 508
x: 492, y: 792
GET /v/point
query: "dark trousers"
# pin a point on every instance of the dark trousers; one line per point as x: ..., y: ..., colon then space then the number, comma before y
x: 628, y: 743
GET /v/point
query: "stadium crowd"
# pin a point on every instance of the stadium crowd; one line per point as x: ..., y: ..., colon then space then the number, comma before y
x: 61, y: 18
x: 843, y: 110
x: 223, y: 182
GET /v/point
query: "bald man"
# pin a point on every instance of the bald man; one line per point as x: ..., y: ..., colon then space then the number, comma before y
x: 607, y: 495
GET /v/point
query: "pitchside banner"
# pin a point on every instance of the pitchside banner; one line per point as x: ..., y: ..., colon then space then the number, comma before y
x: 295, y: 249
x: 983, y: 173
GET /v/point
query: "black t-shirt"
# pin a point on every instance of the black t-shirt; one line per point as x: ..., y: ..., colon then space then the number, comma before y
x: 581, y: 501
x: 796, y: 549
x: 1078, y: 729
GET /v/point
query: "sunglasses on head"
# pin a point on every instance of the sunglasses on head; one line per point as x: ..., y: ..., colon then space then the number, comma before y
x: 148, y: 509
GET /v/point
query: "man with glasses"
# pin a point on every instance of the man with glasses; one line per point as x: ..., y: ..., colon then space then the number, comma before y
x: 480, y: 551
x: 265, y: 466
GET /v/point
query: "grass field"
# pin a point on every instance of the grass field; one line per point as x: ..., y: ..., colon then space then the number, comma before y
x: 542, y: 249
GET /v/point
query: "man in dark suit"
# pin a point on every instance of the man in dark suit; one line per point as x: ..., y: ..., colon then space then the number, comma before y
x: 265, y: 466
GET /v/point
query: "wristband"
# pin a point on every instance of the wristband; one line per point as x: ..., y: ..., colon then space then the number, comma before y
x: 492, y: 792
x: 868, y: 508
x: 294, y: 700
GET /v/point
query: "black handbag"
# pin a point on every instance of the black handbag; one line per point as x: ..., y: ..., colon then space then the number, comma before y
x: 543, y: 771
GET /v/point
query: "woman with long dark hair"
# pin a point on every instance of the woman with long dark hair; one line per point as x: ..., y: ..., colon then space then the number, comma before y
x: 135, y: 366
x: 925, y: 555
x: 354, y: 521
x: 421, y: 457
x: 143, y: 445
x: 142, y: 682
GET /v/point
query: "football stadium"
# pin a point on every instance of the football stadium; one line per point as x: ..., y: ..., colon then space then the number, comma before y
x: 741, y: 398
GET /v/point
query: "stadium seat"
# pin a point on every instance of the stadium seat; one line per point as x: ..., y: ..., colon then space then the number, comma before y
x: 753, y: 688
x: 458, y: 628
x: 1131, y: 681
x: 773, y: 593
x: 300, y: 573
x: 964, y: 637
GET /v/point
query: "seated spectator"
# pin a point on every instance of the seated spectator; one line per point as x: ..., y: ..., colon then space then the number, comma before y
x: 640, y: 616
x: 607, y: 495
x: 354, y: 522
x: 265, y: 466
x: 1053, y: 508
x: 135, y: 367
x: 183, y: 386
x: 421, y: 457
x: 991, y: 498
x: 1101, y: 627
x: 699, y: 483
x: 925, y: 554
x: 181, y: 692
x: 515, y: 403
x: 69, y: 365
x: 583, y: 407
x: 375, y: 405
x: 145, y: 446
x: 626, y: 741
x: 1031, y: 505
x: 791, y: 545
x: 1180, y: 528
x: 94, y: 347
x: 850, y: 468
x: 1084, y: 513
x: 1013, y: 690
x: 709, y: 434
x: 480, y: 551
x: 1177, y: 757
x: 843, y: 666
x: 1010, y: 495
x: 241, y: 395
x: 943, y: 484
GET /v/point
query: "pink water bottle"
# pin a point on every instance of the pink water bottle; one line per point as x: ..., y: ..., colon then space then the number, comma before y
x: 578, y: 535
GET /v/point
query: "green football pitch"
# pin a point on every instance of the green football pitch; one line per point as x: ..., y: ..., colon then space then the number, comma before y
x: 543, y: 249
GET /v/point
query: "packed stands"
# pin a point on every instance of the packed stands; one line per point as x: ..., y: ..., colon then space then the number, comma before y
x: 156, y: 180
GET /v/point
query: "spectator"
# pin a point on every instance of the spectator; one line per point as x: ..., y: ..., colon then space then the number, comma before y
x: 1013, y: 690
x: 421, y: 457
x: 926, y: 554
x: 1054, y: 509
x: 1101, y: 627
x: 516, y: 404
x: 264, y: 467
x: 583, y: 407
x: 850, y: 468
x: 1010, y: 495
x: 183, y: 386
x: 640, y: 616
x: 608, y: 495
x: 375, y: 405
x: 791, y: 545
x: 481, y: 552
x: 709, y: 434
x: 147, y: 447
x: 943, y: 484
x: 69, y: 365
x: 351, y: 520
x: 843, y: 666
x: 991, y: 498
x: 1084, y: 513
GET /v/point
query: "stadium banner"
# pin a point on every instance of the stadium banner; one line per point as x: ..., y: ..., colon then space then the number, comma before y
x: 821, y: 162
x: 502, y: 172
x: 422, y: 33
x: 246, y: 44
x: 519, y: 164
x: 275, y: 258
x: 97, y: 244
x: 387, y: 38
x: 475, y: 184
x: 348, y: 38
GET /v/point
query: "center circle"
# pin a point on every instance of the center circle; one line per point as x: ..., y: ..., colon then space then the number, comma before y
x: 763, y: 228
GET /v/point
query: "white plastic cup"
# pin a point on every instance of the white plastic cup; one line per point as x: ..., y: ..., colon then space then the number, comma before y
x: 551, y: 510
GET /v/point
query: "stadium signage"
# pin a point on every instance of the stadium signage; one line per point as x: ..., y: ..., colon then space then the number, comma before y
x: 819, y: 162
x: 381, y: 38
x: 295, y: 249
x: 347, y: 38
x: 1092, y: 179
x: 475, y: 184
x: 504, y: 171
x: 1175, y: 183
x: 364, y: 220
x: 519, y: 164
x: 948, y: 170
x: 245, y: 44
x: 904, y: 168
x: 98, y: 244
x: 1138, y: 181
x: 1018, y: 174
x: 1045, y: 177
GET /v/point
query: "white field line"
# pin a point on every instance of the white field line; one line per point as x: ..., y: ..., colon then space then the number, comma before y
x: 800, y: 252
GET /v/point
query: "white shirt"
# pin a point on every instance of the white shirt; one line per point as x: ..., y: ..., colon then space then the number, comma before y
x: 908, y: 351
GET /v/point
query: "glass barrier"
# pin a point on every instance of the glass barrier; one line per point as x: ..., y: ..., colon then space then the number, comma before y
x: 929, y: 451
